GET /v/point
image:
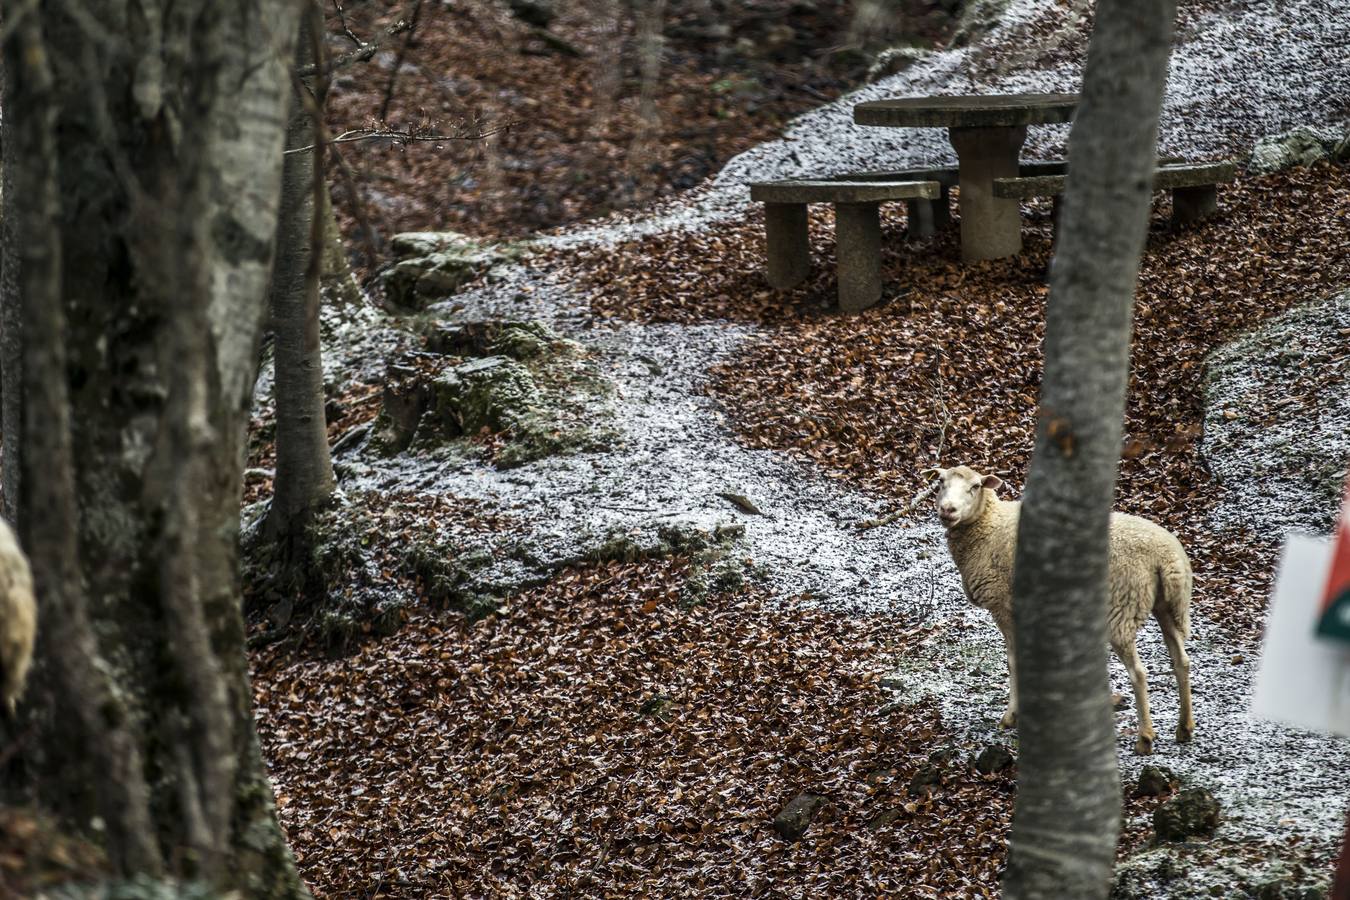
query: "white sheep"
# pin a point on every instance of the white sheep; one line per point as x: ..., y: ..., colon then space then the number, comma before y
x: 1148, y: 573
x: 18, y: 618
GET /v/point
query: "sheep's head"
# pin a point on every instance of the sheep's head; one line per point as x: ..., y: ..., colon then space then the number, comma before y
x: 961, y: 496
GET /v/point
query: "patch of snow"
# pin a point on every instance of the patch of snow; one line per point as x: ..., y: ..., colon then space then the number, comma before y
x: 1277, y: 430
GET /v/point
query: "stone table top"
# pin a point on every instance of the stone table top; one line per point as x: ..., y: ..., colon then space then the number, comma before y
x: 968, y: 111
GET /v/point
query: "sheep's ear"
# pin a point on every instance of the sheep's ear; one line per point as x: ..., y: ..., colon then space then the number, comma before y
x: 934, y: 471
x: 993, y: 482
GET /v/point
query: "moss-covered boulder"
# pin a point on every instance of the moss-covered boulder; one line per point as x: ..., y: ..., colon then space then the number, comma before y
x: 1301, y: 146
x: 325, y: 586
x: 895, y: 60
x: 529, y: 340
x: 431, y: 266
x: 537, y: 393
x: 1192, y: 813
x: 493, y: 393
x: 798, y: 814
x: 717, y: 561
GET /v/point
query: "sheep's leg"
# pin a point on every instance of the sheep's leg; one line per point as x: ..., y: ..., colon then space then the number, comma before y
x: 1009, y: 719
x: 1181, y: 668
x: 1143, y: 745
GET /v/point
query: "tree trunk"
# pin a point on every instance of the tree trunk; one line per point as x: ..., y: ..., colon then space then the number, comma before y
x: 304, y: 475
x: 1067, y: 814
x: 150, y: 151
x: 11, y: 345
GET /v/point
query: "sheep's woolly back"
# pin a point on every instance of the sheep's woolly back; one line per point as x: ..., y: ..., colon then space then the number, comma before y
x: 1149, y: 573
x: 983, y: 552
x: 18, y: 618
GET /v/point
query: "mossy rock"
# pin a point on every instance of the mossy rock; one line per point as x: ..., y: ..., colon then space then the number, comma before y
x: 493, y: 393
x: 537, y: 392
x: 321, y: 585
x: 716, y: 566
x: 1188, y: 872
x: 140, y: 887
x: 448, y: 576
x: 522, y: 341
x: 431, y: 266
x: 1301, y: 146
x: 1192, y: 813
x: 895, y: 60
x: 978, y: 19
x: 529, y: 340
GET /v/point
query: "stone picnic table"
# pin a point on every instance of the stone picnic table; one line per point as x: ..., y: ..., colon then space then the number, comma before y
x: 987, y: 133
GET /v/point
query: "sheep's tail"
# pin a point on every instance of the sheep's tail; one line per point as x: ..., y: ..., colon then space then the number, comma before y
x: 1174, y: 575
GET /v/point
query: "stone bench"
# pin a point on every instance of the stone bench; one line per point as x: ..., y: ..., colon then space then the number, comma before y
x: 927, y: 217
x: 1194, y: 187
x: 857, y: 229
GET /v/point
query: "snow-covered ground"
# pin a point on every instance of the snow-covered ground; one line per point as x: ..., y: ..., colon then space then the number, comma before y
x: 1240, y: 73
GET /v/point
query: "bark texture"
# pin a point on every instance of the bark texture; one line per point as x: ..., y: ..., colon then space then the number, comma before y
x: 1067, y: 814
x: 304, y: 474
x: 150, y: 153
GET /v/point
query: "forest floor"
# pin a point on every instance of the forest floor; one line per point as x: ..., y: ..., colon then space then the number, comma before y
x: 690, y: 628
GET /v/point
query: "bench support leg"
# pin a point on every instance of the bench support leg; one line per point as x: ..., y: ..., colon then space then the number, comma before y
x: 1194, y: 204
x: 857, y: 234
x: 991, y: 227
x: 789, y: 244
x: 920, y: 216
x: 942, y: 209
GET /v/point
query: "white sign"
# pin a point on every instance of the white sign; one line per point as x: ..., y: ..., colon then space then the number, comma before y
x: 1302, y: 680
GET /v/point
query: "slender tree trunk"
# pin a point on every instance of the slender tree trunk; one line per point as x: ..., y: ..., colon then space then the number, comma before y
x: 1067, y: 815
x: 304, y: 476
x: 150, y: 150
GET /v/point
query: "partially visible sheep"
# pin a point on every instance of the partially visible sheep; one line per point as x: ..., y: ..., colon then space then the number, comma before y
x: 18, y: 618
x: 1148, y: 573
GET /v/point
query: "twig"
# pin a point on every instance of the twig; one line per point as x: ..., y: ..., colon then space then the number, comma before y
x: 890, y: 517
x: 14, y: 18
x: 741, y: 502
x: 400, y: 136
x: 346, y: 29
x: 368, y: 235
x: 398, y: 60
x: 585, y: 880
x: 360, y: 54
x: 942, y: 408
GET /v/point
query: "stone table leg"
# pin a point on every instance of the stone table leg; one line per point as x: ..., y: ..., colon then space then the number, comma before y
x: 991, y: 227
x: 789, y: 244
x: 1194, y: 204
x: 857, y: 237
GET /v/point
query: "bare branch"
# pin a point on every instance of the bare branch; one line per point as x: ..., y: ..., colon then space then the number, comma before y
x: 398, y: 60
x: 403, y: 137
x: 360, y: 54
x: 15, y: 18
x: 358, y: 205
x: 896, y: 515
x: 346, y: 29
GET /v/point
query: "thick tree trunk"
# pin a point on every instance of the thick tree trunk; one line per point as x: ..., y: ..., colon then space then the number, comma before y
x: 1068, y: 796
x: 11, y: 346
x: 304, y: 476
x: 151, y: 206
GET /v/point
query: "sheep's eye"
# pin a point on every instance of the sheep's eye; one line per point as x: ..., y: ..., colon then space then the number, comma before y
x: 974, y: 488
